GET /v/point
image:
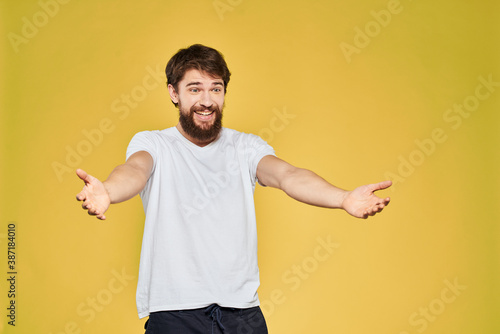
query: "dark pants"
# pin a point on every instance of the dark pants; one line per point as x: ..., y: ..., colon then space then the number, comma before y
x: 209, y: 320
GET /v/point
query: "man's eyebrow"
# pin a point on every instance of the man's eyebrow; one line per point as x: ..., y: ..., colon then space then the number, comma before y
x: 197, y: 83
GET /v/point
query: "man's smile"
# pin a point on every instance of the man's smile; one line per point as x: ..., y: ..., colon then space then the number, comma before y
x: 205, y: 112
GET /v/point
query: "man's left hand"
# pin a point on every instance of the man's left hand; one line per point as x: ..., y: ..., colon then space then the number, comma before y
x: 362, y: 202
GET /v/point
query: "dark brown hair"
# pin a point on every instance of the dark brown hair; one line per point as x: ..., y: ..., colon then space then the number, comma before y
x: 199, y: 57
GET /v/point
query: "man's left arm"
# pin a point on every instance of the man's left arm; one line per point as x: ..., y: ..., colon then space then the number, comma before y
x: 307, y: 187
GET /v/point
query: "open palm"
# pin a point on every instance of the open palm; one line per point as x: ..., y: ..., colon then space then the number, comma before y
x: 362, y: 202
x: 94, y: 195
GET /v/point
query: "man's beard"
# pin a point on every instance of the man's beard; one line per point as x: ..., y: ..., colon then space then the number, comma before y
x: 192, y: 129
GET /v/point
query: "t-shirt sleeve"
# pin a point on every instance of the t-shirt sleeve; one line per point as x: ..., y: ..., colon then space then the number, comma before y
x: 257, y: 148
x: 143, y: 141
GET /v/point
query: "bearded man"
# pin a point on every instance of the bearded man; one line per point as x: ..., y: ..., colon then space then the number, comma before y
x: 198, y: 269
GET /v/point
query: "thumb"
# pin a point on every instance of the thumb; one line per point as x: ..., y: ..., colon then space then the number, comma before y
x: 83, y: 176
x: 380, y: 186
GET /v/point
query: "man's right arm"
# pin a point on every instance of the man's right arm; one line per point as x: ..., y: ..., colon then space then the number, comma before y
x: 124, y: 182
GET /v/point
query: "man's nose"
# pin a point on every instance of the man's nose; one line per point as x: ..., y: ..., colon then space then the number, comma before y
x: 206, y: 100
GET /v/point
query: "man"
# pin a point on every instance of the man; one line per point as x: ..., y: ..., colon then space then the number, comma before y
x: 198, y: 270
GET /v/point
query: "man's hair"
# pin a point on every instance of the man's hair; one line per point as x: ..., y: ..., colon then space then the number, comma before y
x: 199, y: 57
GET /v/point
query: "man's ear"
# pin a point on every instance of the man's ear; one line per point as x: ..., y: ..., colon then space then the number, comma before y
x: 173, y: 94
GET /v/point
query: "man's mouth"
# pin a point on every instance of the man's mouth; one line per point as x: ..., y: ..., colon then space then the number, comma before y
x: 205, y: 112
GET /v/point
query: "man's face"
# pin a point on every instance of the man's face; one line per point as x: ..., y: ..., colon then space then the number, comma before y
x: 200, y: 98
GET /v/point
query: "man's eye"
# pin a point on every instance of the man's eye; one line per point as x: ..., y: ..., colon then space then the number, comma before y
x: 217, y: 90
x: 194, y: 90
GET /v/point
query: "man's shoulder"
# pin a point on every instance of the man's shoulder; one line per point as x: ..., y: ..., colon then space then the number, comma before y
x: 238, y: 135
x: 152, y: 139
x: 246, y: 138
x: 168, y: 132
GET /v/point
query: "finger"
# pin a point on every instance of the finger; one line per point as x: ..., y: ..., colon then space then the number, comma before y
x: 381, y: 185
x: 93, y: 210
x: 382, y: 202
x: 83, y: 175
x: 374, y: 210
x: 80, y: 196
x: 90, y: 208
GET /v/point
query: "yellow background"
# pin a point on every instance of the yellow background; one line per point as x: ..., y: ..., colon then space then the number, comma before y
x: 353, y: 118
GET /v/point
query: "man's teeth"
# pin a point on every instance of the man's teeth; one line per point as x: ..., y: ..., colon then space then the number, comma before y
x: 204, y: 113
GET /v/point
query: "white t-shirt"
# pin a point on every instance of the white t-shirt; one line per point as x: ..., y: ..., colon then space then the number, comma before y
x: 200, y: 239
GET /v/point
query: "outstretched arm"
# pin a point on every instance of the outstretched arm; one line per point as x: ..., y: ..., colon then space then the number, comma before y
x: 306, y: 186
x: 124, y: 182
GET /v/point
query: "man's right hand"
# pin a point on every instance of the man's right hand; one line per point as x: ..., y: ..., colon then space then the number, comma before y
x: 94, y: 195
